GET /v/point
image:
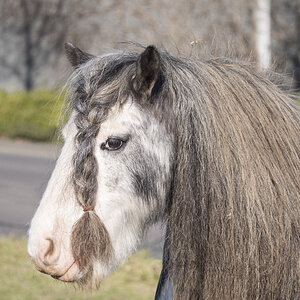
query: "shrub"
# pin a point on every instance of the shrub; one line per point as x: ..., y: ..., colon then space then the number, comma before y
x: 30, y: 115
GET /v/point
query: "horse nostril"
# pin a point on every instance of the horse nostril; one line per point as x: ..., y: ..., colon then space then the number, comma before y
x: 50, y: 254
x: 50, y: 250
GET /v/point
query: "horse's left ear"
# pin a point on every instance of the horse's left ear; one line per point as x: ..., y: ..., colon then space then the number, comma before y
x: 76, y: 56
x: 147, y: 70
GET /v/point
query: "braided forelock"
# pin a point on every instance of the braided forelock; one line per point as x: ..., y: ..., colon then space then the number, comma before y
x: 92, y: 108
x: 87, y: 120
x: 90, y: 239
x: 96, y: 88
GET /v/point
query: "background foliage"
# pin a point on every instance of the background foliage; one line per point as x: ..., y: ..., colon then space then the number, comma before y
x: 30, y: 115
x: 32, y: 35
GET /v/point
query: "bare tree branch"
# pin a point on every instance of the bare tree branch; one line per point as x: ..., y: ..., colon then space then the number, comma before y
x: 34, y: 31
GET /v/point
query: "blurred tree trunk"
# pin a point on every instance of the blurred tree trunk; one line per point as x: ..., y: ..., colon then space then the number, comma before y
x: 29, y: 65
x: 28, y: 47
x: 263, y: 32
x: 297, y: 56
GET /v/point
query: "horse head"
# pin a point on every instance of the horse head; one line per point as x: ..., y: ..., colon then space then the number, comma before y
x: 112, y: 178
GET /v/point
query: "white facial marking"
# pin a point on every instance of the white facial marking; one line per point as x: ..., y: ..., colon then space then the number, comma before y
x: 56, y: 214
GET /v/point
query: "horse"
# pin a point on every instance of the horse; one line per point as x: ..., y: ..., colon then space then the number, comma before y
x: 209, y: 146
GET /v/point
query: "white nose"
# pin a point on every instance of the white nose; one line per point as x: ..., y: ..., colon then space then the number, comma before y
x: 46, y: 255
x: 49, y: 258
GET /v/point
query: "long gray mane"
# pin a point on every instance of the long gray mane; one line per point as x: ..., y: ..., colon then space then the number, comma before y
x: 234, y: 218
x: 234, y: 207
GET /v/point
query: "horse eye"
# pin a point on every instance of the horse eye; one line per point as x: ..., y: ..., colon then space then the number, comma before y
x: 112, y: 144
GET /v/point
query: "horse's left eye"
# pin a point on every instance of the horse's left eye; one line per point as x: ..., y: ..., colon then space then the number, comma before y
x: 112, y: 144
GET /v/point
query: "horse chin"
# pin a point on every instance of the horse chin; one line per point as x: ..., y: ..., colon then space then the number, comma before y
x: 72, y: 274
x: 83, y: 277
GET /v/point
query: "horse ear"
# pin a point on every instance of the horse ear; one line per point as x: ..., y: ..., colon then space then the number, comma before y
x: 147, y: 70
x: 76, y: 56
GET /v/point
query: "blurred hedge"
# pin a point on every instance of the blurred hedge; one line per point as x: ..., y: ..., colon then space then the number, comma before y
x: 30, y: 115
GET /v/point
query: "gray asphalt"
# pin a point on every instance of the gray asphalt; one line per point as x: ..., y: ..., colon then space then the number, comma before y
x: 24, y: 172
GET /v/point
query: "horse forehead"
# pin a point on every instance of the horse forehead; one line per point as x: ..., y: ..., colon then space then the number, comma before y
x: 122, y: 116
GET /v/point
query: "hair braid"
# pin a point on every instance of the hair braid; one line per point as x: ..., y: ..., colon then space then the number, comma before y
x: 90, y: 239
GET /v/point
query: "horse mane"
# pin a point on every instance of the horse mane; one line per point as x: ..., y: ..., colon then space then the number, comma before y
x: 233, y: 212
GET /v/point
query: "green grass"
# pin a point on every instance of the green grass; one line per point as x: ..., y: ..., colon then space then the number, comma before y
x: 30, y: 115
x: 134, y: 280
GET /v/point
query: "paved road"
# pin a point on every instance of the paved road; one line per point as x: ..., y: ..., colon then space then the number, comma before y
x: 24, y: 172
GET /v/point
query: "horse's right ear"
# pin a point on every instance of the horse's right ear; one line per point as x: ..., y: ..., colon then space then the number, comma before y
x: 76, y: 56
x: 147, y: 70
